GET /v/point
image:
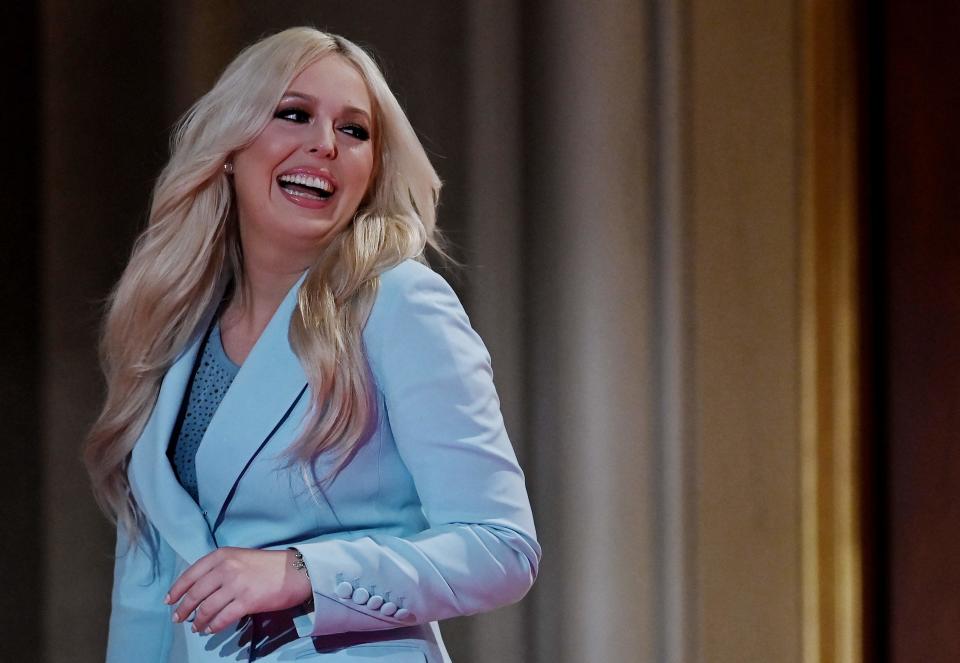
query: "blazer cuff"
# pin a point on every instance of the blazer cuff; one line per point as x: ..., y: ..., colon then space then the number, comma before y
x: 341, y: 603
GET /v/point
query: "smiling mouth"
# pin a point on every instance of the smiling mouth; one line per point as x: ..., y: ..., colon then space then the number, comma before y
x: 306, y: 186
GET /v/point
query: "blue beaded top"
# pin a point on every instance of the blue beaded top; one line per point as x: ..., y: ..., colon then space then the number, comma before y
x: 214, y: 374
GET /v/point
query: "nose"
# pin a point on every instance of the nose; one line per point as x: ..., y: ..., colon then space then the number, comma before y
x: 323, y: 142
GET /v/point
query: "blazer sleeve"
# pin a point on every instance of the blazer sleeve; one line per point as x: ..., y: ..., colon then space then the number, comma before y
x: 480, y: 550
x: 140, y: 623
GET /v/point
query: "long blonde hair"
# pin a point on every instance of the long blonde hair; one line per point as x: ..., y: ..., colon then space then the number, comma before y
x: 191, y: 247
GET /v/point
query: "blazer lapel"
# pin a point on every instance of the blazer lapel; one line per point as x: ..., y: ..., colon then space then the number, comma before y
x: 270, y: 382
x: 158, y: 492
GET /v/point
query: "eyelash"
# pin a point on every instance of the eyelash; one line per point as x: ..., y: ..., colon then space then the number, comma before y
x: 301, y: 116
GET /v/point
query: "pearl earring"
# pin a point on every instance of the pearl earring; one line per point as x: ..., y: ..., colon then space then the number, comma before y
x: 228, y: 168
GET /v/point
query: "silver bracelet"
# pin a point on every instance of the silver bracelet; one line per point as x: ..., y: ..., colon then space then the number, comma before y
x: 299, y: 565
x: 298, y: 562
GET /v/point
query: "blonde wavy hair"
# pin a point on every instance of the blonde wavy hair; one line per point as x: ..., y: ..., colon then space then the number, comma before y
x: 191, y: 248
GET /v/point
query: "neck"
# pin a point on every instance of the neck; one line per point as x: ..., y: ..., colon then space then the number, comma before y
x: 265, y: 283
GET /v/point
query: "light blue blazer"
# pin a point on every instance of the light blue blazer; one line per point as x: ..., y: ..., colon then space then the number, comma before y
x: 430, y: 518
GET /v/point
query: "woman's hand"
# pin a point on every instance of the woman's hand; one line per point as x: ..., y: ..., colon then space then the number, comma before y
x: 230, y: 583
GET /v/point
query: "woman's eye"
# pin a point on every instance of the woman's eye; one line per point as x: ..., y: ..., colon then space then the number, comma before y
x: 293, y: 115
x: 356, y: 131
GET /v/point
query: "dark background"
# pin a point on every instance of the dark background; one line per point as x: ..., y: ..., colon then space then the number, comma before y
x: 915, y: 192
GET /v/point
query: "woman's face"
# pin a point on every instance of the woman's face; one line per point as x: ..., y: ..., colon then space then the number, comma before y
x: 301, y: 181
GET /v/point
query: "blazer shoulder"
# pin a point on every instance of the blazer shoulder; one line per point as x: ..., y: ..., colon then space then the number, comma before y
x: 411, y: 299
x: 408, y: 284
x: 408, y: 276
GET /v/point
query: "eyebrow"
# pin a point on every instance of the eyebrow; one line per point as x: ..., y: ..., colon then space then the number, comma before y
x: 293, y: 94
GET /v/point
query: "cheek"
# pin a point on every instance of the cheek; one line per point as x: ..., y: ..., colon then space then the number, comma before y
x: 362, y: 173
x: 270, y: 148
x: 254, y: 169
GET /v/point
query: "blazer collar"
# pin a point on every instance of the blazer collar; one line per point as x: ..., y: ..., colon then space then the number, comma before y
x: 260, y: 397
x: 262, y: 394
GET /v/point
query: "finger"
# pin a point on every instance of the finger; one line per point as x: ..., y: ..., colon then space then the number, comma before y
x: 190, y: 576
x: 232, y: 612
x: 197, y: 593
x: 210, y: 607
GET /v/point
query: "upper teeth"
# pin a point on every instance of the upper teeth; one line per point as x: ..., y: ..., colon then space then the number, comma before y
x: 308, y: 180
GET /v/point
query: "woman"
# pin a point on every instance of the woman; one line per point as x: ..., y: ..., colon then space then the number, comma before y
x: 301, y: 435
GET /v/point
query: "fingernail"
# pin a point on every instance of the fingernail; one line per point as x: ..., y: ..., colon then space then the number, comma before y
x: 208, y: 630
x: 166, y: 599
x: 175, y: 618
x: 194, y: 628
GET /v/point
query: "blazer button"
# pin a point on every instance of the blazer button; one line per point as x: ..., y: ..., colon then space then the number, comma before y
x: 375, y: 602
x: 344, y: 590
x: 360, y: 596
x: 402, y: 613
x: 388, y: 608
